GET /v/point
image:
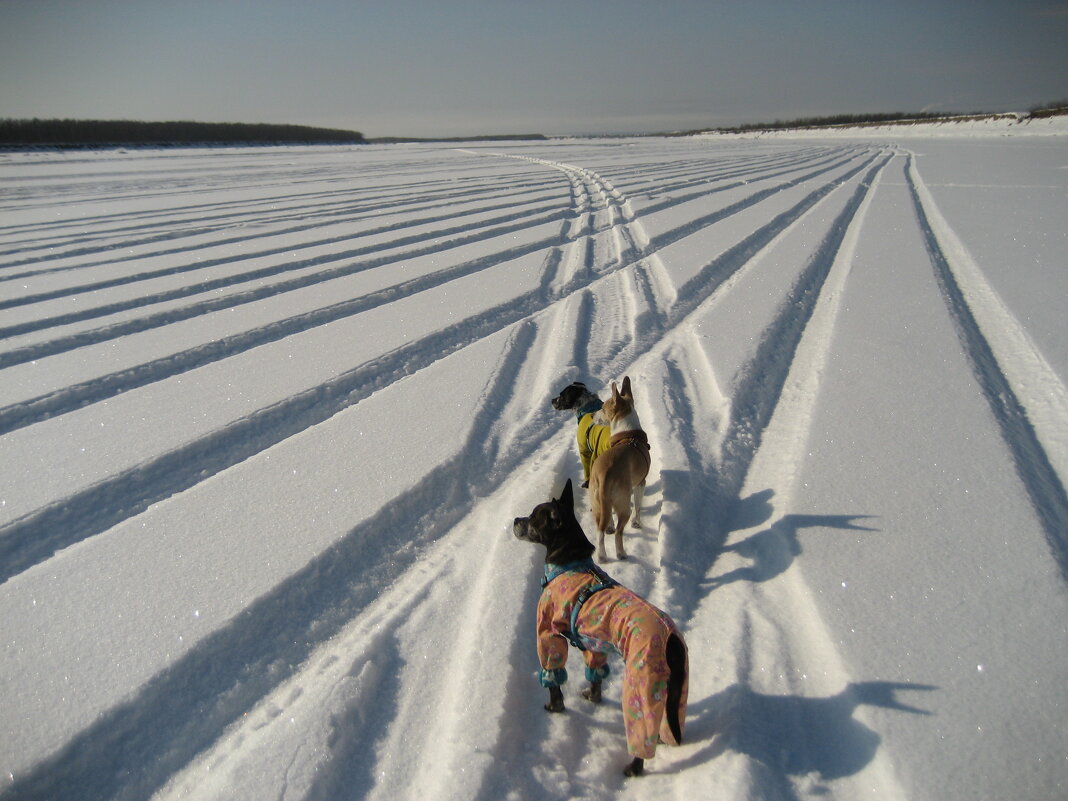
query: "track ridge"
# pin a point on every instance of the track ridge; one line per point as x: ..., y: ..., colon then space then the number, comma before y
x: 521, y: 217
x: 1033, y: 466
x: 713, y: 488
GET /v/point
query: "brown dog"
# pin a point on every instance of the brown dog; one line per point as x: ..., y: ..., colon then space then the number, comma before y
x: 617, y: 479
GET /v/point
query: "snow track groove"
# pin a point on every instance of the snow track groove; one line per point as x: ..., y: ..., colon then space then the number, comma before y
x: 1017, y: 422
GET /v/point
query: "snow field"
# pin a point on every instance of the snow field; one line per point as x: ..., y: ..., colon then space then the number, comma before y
x: 283, y: 567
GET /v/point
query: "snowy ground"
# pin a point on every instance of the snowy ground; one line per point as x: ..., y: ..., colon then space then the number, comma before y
x: 266, y: 416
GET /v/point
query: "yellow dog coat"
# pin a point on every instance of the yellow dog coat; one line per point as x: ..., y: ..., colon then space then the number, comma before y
x: 593, y: 438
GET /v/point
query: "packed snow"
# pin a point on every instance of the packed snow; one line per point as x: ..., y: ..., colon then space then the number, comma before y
x: 267, y: 414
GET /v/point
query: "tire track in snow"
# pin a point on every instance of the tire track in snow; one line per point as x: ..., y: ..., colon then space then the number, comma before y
x: 232, y: 669
x: 962, y: 285
x: 706, y: 492
x: 490, y: 198
x: 94, y: 390
x: 716, y: 273
x: 583, y: 187
x: 238, y: 666
x: 777, y: 731
x: 351, y: 205
x: 34, y: 537
x: 571, y: 739
x: 481, y: 228
x: 67, y: 399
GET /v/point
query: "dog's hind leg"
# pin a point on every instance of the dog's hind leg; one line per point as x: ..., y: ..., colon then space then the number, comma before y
x: 593, y: 692
x: 623, y: 516
x: 636, y: 499
x: 602, y: 515
x: 635, y: 768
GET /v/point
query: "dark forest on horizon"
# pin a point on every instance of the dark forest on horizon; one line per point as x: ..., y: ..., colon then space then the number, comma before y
x: 80, y: 133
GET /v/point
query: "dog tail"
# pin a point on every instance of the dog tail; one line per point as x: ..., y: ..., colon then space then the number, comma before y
x: 677, y: 662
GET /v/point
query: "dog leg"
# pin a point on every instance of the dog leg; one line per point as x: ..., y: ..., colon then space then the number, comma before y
x: 593, y: 692
x: 635, y: 768
x: 556, y: 700
x: 602, y: 554
x: 621, y: 552
x: 639, y: 491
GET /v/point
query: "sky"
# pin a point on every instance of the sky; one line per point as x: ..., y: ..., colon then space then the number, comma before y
x: 468, y: 67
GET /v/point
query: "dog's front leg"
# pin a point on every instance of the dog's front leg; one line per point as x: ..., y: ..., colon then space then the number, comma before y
x: 602, y: 554
x: 635, y: 768
x: 556, y: 700
x: 593, y: 692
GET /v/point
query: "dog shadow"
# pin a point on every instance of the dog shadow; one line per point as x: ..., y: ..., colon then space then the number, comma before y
x: 772, y: 550
x: 794, y: 736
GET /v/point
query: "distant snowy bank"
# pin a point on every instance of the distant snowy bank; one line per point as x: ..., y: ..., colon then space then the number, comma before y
x: 996, y: 125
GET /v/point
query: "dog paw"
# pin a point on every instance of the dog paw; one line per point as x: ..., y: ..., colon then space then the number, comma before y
x: 635, y: 768
x: 592, y: 694
x: 556, y: 700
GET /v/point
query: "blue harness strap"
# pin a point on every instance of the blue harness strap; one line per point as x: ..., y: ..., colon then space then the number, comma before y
x: 584, y: 566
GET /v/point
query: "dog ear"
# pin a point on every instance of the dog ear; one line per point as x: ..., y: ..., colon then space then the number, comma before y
x: 567, y: 497
x: 626, y: 387
x: 615, y: 390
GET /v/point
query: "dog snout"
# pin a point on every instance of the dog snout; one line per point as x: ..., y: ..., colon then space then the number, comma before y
x: 519, y: 527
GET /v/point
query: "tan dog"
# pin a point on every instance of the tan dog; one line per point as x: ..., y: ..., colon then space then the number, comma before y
x: 617, y: 479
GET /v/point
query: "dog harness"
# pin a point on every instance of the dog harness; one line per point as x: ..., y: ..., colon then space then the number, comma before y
x: 605, y: 581
x: 613, y: 620
x: 636, y: 439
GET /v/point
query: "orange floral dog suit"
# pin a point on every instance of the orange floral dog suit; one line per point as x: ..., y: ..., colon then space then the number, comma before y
x: 581, y: 605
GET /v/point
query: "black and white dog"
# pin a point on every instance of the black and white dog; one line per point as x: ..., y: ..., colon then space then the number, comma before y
x: 593, y: 434
x: 582, y: 606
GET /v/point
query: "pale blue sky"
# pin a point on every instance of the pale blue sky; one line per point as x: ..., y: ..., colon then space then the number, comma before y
x: 458, y: 67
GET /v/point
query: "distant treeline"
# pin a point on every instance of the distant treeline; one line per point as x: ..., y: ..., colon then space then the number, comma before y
x: 97, y: 133
x: 1054, y: 109
x: 860, y: 120
x: 836, y: 119
x: 394, y: 140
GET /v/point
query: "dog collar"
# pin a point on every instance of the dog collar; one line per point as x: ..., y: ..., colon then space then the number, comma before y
x: 552, y: 571
x: 590, y: 408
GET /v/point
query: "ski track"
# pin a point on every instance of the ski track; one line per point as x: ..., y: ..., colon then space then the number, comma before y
x: 328, y: 654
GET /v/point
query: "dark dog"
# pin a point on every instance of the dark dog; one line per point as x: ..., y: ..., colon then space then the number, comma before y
x: 593, y: 437
x: 581, y: 605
